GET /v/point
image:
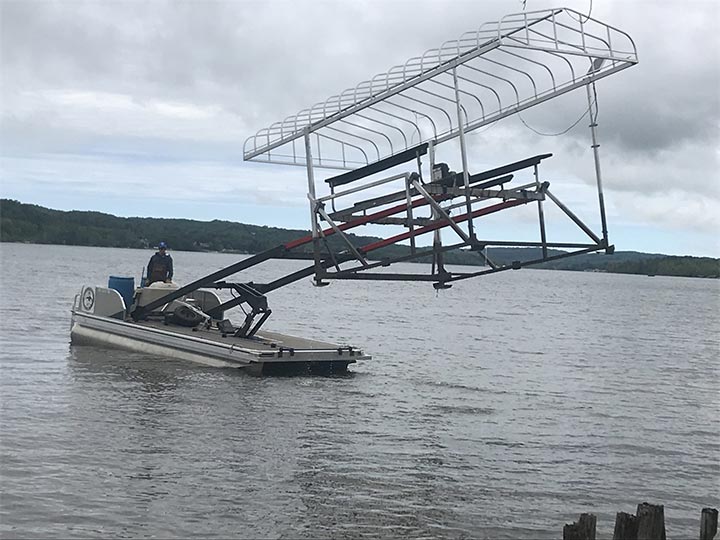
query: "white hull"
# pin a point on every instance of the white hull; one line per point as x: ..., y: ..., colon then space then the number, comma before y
x: 208, y: 348
x: 82, y: 335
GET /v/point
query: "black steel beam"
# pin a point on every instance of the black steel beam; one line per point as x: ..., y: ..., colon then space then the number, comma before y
x: 264, y: 288
x: 254, y: 329
x: 520, y: 264
x: 563, y: 245
x: 404, y: 258
x: 510, y: 167
x: 208, y: 280
x: 386, y: 163
x: 300, y: 274
x: 363, y: 276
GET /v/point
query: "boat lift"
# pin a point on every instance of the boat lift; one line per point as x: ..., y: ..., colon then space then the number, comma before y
x: 385, y: 134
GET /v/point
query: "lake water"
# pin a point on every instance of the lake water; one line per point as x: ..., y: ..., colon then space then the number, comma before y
x: 501, y: 408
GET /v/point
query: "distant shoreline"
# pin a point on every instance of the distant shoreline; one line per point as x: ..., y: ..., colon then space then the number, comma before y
x: 534, y: 267
x: 33, y: 224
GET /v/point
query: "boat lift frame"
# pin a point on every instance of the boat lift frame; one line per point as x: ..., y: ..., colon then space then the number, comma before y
x: 403, y: 115
x: 498, y: 70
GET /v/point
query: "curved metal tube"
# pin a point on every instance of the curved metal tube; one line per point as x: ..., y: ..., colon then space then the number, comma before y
x: 482, y: 107
x: 461, y: 92
x: 532, y: 81
x: 344, y: 143
x: 432, y: 122
x: 370, y: 141
x: 392, y: 150
x: 544, y: 66
x: 517, y: 95
x: 402, y: 133
x: 439, y: 96
x: 413, y: 124
x: 432, y: 107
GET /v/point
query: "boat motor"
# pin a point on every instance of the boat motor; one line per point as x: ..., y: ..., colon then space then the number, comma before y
x: 186, y: 314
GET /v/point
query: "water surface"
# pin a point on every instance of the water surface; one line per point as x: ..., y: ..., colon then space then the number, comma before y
x: 500, y: 408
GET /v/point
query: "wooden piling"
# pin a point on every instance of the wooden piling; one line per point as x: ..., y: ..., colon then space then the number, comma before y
x: 626, y: 527
x: 650, y: 521
x: 708, y: 523
x: 583, y: 529
x: 648, y: 524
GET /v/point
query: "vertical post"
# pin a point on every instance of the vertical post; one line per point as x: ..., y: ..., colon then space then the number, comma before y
x: 463, y: 154
x: 583, y: 529
x: 596, y: 156
x: 626, y: 527
x: 650, y: 522
x: 437, y: 239
x: 410, y: 224
x: 313, y: 202
x: 708, y: 523
x: 541, y: 215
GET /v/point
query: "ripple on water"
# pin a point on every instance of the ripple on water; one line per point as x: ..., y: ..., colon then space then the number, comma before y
x: 470, y: 422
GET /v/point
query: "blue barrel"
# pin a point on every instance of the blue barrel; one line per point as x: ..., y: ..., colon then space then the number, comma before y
x: 125, y: 286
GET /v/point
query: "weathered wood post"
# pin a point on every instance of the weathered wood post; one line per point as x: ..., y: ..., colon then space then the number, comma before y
x: 708, y: 523
x: 626, y: 527
x: 650, y: 522
x: 583, y: 529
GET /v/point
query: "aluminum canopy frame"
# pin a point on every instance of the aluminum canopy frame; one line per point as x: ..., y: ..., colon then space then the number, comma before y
x: 487, y: 74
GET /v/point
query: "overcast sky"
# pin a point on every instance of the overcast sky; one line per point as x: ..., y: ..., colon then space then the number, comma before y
x: 141, y: 108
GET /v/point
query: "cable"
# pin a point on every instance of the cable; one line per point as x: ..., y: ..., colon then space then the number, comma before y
x: 587, y: 17
x: 579, y: 19
x: 564, y: 131
x: 595, y: 102
x: 593, y: 117
x: 593, y: 120
x: 486, y: 128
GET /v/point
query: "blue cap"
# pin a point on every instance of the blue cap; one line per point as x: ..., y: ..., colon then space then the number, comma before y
x: 162, y: 245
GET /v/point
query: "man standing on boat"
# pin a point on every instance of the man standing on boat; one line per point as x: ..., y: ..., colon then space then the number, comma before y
x: 160, y: 267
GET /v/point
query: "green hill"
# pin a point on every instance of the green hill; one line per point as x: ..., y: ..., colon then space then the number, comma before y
x: 30, y: 223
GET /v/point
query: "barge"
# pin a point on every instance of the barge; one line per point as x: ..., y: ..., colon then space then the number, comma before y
x: 182, y: 329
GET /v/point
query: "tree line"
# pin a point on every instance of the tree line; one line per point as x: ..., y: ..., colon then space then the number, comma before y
x: 31, y: 223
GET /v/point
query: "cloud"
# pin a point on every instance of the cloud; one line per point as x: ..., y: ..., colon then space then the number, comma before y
x: 674, y: 210
x: 95, y: 93
x: 109, y: 113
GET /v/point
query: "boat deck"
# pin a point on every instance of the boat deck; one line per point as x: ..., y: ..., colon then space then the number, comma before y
x: 263, y: 341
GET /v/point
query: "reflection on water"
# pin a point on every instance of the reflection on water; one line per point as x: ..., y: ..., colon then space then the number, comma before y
x: 500, y: 408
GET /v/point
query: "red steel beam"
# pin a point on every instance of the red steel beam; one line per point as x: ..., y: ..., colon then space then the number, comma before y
x: 442, y: 223
x: 366, y: 219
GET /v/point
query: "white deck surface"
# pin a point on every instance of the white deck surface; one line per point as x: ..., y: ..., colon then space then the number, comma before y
x: 263, y: 341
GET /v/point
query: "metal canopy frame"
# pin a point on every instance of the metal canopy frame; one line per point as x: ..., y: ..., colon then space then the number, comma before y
x: 501, y: 68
